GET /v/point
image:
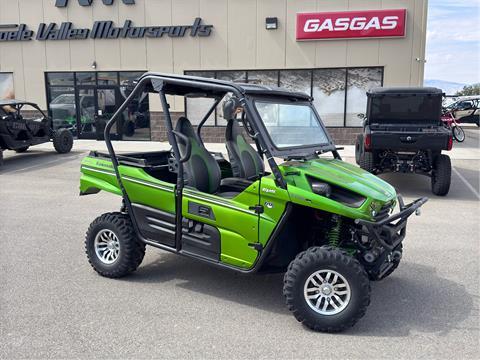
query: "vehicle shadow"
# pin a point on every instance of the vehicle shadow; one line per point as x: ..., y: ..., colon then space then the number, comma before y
x: 34, y: 159
x: 414, y: 186
x: 416, y: 300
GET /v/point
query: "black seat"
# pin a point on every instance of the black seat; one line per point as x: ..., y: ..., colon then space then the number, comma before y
x: 246, y: 162
x: 201, y: 170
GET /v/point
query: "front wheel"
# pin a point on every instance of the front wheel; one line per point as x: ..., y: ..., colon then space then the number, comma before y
x: 63, y: 141
x: 458, y: 133
x: 326, y: 289
x: 112, y: 248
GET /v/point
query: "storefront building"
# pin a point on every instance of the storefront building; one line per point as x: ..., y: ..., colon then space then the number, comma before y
x: 77, y: 58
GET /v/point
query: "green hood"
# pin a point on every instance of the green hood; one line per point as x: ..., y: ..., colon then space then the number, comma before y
x: 345, y: 175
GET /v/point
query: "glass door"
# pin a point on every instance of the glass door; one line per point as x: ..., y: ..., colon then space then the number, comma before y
x: 107, y: 105
x: 86, y: 99
x: 95, y: 107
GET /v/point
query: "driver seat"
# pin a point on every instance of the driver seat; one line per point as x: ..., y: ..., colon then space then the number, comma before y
x: 201, y: 170
x: 245, y: 160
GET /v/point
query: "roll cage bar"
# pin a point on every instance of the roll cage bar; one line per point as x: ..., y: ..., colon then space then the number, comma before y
x: 176, y: 85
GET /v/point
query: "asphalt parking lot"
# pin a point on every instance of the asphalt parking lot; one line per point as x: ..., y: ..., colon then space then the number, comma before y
x: 53, y: 305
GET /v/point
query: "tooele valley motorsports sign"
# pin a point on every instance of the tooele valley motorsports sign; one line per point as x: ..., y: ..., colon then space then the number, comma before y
x: 351, y: 24
x: 100, y: 30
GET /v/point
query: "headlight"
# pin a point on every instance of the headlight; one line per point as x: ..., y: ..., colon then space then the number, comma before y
x: 337, y: 193
x: 321, y: 188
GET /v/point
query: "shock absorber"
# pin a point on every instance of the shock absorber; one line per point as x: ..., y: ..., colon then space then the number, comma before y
x: 333, y: 235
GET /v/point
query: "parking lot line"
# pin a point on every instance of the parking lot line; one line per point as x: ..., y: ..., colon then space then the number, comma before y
x: 465, y: 181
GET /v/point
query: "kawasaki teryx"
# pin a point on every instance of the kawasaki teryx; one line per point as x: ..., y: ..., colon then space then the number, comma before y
x: 325, y: 223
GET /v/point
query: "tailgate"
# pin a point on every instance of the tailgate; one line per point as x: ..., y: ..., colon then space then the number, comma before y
x: 410, y: 140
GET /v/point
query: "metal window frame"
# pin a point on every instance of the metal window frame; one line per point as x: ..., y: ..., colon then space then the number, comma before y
x: 346, y: 68
x: 76, y: 86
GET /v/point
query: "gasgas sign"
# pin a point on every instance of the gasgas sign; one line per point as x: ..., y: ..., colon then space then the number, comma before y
x: 351, y: 24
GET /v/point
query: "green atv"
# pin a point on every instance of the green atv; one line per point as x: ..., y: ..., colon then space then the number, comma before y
x: 325, y: 223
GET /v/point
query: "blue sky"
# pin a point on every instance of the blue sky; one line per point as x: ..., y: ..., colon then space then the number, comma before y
x: 453, y: 41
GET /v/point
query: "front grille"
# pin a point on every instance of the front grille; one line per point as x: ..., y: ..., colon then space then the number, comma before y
x: 384, y: 211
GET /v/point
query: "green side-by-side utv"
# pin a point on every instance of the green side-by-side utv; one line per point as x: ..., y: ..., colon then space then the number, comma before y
x: 327, y: 224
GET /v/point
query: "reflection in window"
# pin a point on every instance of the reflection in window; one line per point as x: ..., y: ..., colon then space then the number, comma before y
x: 136, y: 117
x: 329, y: 95
x: 107, y: 78
x: 234, y: 76
x: 196, y: 108
x: 359, y: 81
x: 63, y: 108
x: 296, y: 80
x: 60, y: 79
x: 268, y: 77
x: 6, y: 86
x: 86, y: 78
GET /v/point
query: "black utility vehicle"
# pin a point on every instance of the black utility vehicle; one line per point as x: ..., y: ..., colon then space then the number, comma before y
x: 403, y: 132
x: 18, y: 132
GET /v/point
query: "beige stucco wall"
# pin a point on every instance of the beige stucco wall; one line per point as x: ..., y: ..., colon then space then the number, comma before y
x: 238, y: 41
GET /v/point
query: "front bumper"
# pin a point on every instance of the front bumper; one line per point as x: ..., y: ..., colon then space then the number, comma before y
x: 390, y: 232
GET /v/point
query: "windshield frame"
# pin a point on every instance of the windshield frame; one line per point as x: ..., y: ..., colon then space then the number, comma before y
x: 303, y: 151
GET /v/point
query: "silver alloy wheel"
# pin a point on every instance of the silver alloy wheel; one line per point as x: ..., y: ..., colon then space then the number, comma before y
x: 327, y: 292
x: 107, y: 246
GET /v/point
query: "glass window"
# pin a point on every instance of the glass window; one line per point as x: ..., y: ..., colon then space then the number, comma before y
x: 268, y: 78
x: 107, y: 78
x: 130, y: 75
x: 329, y: 95
x: 291, y: 125
x: 359, y: 81
x: 234, y: 76
x: 296, y: 80
x: 6, y: 86
x: 136, y: 118
x: 197, y: 107
x: 86, y: 78
x: 62, y: 107
x: 60, y: 79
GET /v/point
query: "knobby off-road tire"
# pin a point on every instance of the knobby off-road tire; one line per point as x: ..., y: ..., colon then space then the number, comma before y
x: 62, y: 141
x: 367, y: 161
x: 441, y: 175
x: 113, y: 231
x: 358, y: 148
x: 301, y: 280
x: 22, y: 150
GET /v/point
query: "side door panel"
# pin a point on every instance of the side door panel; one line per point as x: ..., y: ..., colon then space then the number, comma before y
x: 236, y: 224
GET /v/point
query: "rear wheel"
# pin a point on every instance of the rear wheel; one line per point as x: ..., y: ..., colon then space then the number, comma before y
x: 367, y: 161
x: 112, y: 247
x: 326, y: 289
x: 441, y: 175
x: 22, y: 149
x: 358, y: 149
x: 63, y: 141
x: 458, y: 133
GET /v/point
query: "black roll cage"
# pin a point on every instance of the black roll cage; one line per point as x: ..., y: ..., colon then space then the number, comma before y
x: 159, y: 83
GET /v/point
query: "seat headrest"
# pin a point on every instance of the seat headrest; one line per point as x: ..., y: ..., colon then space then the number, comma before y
x: 229, y: 108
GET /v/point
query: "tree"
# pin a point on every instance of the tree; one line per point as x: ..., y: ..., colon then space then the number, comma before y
x: 473, y: 89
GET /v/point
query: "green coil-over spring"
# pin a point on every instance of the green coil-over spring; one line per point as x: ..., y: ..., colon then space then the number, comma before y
x: 333, y: 235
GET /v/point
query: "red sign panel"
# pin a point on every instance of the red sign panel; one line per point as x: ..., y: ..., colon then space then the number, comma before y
x: 351, y: 24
